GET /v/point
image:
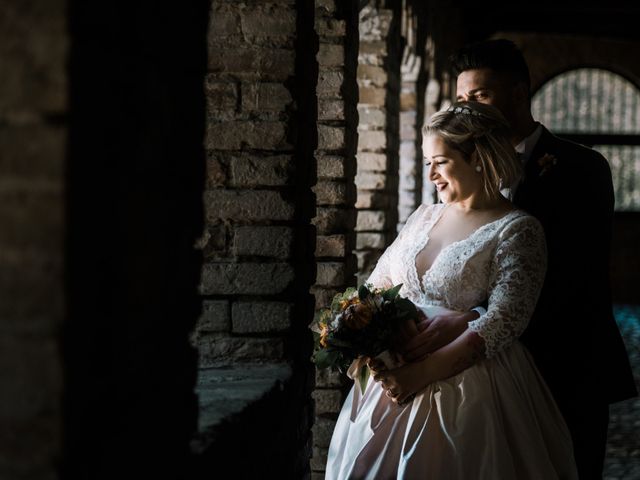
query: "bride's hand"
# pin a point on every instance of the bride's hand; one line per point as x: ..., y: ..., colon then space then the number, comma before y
x: 400, y: 384
x: 441, y: 330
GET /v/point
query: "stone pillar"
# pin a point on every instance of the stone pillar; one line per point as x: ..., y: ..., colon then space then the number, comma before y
x: 259, y: 243
x: 378, y: 143
x: 337, y: 28
x: 411, y: 117
x: 34, y: 126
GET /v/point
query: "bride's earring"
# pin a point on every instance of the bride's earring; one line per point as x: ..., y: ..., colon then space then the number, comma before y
x: 478, y: 168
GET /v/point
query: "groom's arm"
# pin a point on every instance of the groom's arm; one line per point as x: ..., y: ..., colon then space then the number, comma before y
x: 418, y: 340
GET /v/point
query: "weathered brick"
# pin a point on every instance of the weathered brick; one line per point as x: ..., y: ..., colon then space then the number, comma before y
x: 239, y: 135
x: 31, y: 282
x: 366, y: 180
x: 371, y: 116
x: 370, y: 240
x: 216, y: 171
x: 262, y: 97
x: 334, y: 193
x: 264, y: 63
x: 331, y: 246
x: 215, y: 316
x: 327, y: 401
x: 31, y: 376
x: 375, y: 22
x: 366, y: 262
x: 330, y: 27
x: 330, y: 55
x: 319, y: 459
x: 330, y: 138
x: 20, y: 203
x: 223, y: 20
x: 372, y: 140
x: 333, y: 220
x: 327, y: 6
x: 263, y: 241
x: 371, y: 220
x: 373, y: 199
x: 220, y: 95
x: 372, y: 75
x: 330, y: 379
x: 330, y: 166
x: 245, y: 278
x: 329, y: 83
x: 323, y: 296
x: 372, y: 161
x: 249, y: 171
x: 322, y: 431
x: 331, y: 110
x: 261, y: 317
x: 375, y: 47
x: 267, y: 20
x: 214, y: 240
x: 408, y: 181
x: 331, y: 274
x: 216, y: 349
x: 408, y: 132
x: 246, y: 205
x: 33, y: 152
x: 372, y: 96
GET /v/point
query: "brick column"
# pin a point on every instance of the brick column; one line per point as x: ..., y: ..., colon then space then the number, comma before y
x: 33, y: 131
x: 337, y: 28
x: 378, y: 144
x: 259, y: 242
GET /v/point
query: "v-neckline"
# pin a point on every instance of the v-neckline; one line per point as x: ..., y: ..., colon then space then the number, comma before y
x: 428, y: 236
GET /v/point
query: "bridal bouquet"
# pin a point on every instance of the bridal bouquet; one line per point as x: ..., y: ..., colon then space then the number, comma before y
x: 359, y: 323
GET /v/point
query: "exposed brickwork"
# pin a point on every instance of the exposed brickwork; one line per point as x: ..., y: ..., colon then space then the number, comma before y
x: 337, y: 28
x: 258, y: 244
x: 378, y: 145
x: 33, y: 132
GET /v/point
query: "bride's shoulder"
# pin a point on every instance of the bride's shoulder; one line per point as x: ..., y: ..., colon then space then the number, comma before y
x: 519, y: 220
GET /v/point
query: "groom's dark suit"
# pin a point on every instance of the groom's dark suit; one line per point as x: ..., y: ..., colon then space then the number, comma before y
x: 573, y: 336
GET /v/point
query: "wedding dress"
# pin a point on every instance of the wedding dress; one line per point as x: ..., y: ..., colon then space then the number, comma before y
x: 496, y: 420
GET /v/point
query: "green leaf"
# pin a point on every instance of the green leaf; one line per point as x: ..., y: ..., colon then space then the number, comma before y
x: 363, y: 292
x: 325, y: 358
x: 363, y: 378
x: 392, y: 293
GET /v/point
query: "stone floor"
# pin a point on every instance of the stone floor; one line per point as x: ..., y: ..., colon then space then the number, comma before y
x: 623, y: 448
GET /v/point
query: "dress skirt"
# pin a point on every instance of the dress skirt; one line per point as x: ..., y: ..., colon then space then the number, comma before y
x: 496, y: 420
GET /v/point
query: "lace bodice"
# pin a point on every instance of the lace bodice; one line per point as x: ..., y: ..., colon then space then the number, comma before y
x: 502, y: 262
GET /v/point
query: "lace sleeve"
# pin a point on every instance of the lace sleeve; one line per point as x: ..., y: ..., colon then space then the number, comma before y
x: 516, y: 275
x: 381, y: 274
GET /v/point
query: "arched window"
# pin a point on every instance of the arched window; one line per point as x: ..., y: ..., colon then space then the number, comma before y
x: 600, y: 109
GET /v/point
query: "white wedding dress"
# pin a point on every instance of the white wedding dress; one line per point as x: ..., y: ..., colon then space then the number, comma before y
x: 496, y: 420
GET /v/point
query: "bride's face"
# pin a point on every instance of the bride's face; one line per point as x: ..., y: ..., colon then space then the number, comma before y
x: 454, y: 177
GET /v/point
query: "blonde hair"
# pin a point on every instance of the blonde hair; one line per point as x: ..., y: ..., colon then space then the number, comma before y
x: 476, y: 127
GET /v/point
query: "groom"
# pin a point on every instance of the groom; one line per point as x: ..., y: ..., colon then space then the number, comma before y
x: 572, y: 335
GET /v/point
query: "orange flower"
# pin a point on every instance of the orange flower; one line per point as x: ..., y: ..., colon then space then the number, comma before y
x: 357, y: 316
x: 346, y: 303
x: 324, y: 333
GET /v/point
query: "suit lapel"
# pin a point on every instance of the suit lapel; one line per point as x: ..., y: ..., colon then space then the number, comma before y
x: 526, y: 191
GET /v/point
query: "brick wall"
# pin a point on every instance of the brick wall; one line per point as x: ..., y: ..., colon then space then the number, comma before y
x: 336, y: 24
x: 378, y: 145
x: 259, y: 244
x: 33, y: 127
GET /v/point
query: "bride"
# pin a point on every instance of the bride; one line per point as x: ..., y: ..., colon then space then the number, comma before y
x: 476, y: 408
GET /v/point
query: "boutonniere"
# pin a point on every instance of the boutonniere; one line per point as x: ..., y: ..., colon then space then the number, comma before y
x: 546, y: 162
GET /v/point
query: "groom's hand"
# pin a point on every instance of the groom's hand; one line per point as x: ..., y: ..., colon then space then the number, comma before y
x: 435, y: 333
x: 409, y: 329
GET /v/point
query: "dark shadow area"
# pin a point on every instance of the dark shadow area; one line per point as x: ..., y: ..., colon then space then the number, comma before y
x: 135, y: 177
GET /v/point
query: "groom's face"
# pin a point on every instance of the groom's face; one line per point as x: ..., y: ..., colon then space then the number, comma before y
x: 486, y: 86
